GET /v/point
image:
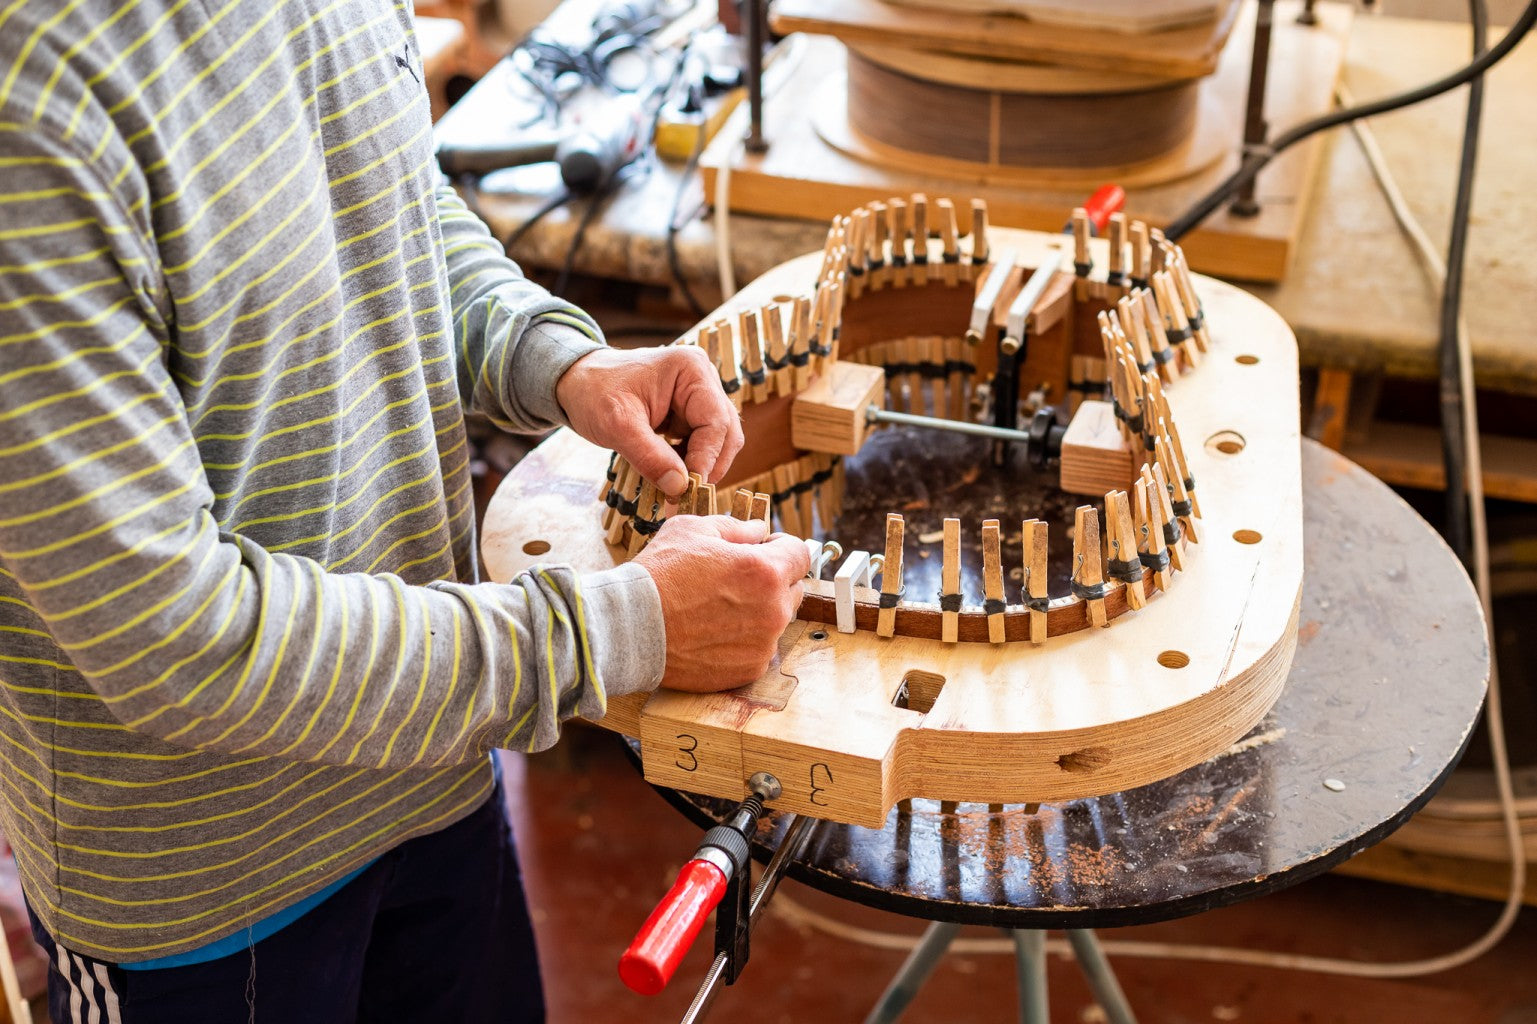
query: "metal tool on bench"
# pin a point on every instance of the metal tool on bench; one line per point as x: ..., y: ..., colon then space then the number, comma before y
x: 589, y: 151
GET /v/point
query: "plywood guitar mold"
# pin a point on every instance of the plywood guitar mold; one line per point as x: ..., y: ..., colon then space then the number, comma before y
x: 1175, y: 633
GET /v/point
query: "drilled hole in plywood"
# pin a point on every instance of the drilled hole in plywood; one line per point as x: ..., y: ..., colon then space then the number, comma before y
x: 1247, y: 536
x: 818, y: 634
x: 1173, y: 659
x: 537, y: 547
x: 1087, y: 760
x: 784, y: 298
x: 1226, y: 442
x: 919, y: 691
x: 1246, y: 359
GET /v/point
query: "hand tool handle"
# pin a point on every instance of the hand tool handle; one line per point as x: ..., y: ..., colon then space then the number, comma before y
x: 649, y: 963
x: 1107, y: 199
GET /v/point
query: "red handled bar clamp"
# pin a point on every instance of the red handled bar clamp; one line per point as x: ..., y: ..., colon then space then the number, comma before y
x: 1106, y: 200
x: 717, y: 875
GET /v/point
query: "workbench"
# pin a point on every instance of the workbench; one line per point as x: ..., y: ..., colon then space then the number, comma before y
x: 1357, y: 298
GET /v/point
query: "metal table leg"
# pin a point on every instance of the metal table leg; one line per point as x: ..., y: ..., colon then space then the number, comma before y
x: 914, y: 972
x: 1030, y: 966
x: 1107, y: 991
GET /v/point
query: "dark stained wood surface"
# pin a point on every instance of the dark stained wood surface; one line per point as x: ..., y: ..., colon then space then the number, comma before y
x: 1387, y: 683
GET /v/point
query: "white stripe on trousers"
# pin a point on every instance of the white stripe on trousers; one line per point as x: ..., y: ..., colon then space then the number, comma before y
x: 92, y: 994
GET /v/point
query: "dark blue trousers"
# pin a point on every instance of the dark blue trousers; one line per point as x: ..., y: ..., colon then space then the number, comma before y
x: 435, y: 930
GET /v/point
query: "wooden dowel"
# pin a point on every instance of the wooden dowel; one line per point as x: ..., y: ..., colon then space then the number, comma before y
x: 891, y: 576
x: 992, y: 581
x: 950, y: 583
x: 1034, y: 535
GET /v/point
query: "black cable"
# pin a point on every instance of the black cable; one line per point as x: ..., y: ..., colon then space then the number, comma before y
x: 548, y: 206
x: 1453, y: 438
x: 1255, y: 160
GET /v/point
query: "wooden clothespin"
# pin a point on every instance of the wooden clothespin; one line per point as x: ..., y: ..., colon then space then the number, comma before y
x: 1034, y: 538
x: 981, y: 250
x: 840, y: 484
x: 761, y: 508
x: 800, y: 343
x: 1178, y: 328
x: 619, y: 474
x: 896, y: 215
x: 1173, y: 536
x: 950, y: 583
x: 648, y: 517
x: 877, y: 273
x: 822, y: 481
x: 610, y: 477
x: 922, y: 269
x: 804, y: 482
x: 1083, y: 260
x: 950, y: 256
x: 836, y: 291
x: 1180, y: 463
x: 1129, y: 315
x: 1116, y: 276
x: 937, y: 369
x: 1141, y: 255
x: 858, y: 252
x: 1194, y: 311
x: 1152, y: 550
x: 1123, y: 565
x: 821, y: 332
x: 833, y: 247
x: 992, y: 581
x: 690, y: 495
x: 1088, y: 567
x: 912, y: 355
x: 1157, y: 334
x: 1180, y: 502
x: 741, y: 503
x: 777, y: 354
x: 704, y: 500
x: 626, y: 495
x: 891, y: 576
x: 730, y: 364
x: 784, y: 499
x: 753, y: 373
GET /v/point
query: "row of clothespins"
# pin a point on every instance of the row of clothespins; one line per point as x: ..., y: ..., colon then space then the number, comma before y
x: 929, y: 375
x: 800, y: 493
x: 1141, y: 259
x: 895, y: 243
x: 1143, y: 532
x: 775, y: 349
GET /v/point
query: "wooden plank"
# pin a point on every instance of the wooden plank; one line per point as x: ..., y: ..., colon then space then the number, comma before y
x: 1410, y: 455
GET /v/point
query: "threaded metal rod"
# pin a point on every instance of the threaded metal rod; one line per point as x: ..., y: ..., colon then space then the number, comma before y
x: 875, y: 414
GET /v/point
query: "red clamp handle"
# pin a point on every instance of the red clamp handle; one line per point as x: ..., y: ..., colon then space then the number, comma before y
x: 1107, y: 199
x: 648, y: 965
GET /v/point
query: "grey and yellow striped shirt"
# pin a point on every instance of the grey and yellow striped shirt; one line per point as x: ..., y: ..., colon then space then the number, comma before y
x: 242, y: 649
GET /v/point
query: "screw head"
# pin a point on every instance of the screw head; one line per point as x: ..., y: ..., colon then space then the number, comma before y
x: 764, y: 785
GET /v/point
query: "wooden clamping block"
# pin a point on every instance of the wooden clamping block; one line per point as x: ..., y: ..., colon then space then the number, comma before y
x: 1123, y: 565
x: 829, y: 416
x: 1034, y: 535
x: 851, y: 583
x: 1095, y: 456
x: 1088, y: 566
x: 891, y: 576
x: 950, y: 583
x: 992, y: 581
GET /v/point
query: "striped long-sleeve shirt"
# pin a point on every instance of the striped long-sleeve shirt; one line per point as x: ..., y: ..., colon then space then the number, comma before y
x: 242, y: 649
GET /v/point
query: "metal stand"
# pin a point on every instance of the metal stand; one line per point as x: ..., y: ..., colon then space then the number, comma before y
x: 1030, y: 965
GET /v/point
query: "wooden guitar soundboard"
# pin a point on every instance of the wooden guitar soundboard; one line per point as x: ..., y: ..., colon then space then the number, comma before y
x: 1025, y: 697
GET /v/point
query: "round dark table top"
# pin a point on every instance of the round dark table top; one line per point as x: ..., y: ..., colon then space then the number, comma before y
x: 1383, y: 694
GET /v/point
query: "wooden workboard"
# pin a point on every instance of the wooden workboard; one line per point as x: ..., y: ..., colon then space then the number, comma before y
x: 804, y: 175
x: 1092, y: 712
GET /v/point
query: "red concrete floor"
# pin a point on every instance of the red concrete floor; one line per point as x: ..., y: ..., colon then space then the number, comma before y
x: 599, y: 847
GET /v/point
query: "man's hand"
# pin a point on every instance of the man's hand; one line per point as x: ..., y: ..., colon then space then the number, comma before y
x: 626, y: 400
x: 728, y: 590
